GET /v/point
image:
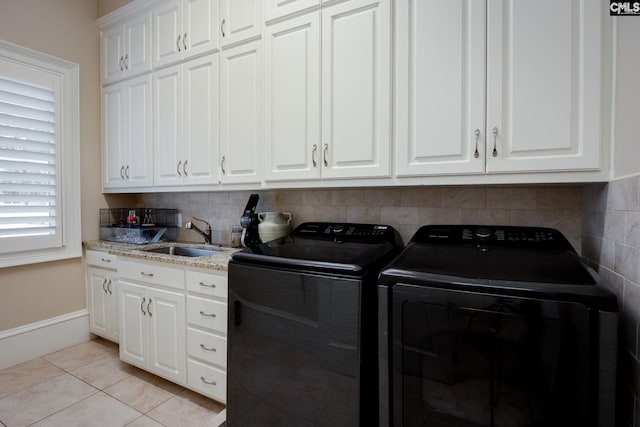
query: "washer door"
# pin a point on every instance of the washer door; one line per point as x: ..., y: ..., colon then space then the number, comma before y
x: 488, y: 360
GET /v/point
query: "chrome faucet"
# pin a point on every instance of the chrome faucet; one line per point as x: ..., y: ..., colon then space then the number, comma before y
x: 207, y: 229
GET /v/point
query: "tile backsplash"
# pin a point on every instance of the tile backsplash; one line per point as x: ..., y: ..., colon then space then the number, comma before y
x: 405, y: 208
x: 611, y: 241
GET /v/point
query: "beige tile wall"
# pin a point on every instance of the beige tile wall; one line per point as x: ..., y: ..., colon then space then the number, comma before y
x: 611, y: 241
x: 404, y: 208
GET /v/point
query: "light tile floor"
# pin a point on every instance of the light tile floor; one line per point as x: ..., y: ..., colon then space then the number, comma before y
x: 87, y: 385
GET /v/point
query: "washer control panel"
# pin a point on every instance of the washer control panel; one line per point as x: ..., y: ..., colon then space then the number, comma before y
x: 346, y: 231
x: 492, y: 235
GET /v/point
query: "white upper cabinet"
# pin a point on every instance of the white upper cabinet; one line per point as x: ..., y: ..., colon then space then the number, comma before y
x: 241, y: 113
x: 125, y: 49
x: 292, y: 99
x: 540, y: 69
x: 440, y: 77
x: 544, y: 80
x: 127, y: 141
x: 356, y: 89
x: 183, y: 29
x: 274, y: 9
x: 185, y: 118
x: 240, y: 20
x: 328, y: 97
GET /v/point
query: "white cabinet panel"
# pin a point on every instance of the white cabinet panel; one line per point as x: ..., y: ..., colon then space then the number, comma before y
x: 440, y: 98
x: 185, y: 117
x: 134, y: 337
x: 292, y: 99
x: 356, y: 85
x: 240, y: 20
x: 275, y: 9
x: 167, y: 335
x: 183, y: 29
x: 241, y: 113
x: 127, y: 134
x: 125, y: 49
x: 544, y: 85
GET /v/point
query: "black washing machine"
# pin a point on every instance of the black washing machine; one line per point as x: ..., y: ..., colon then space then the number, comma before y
x: 302, y: 327
x: 495, y: 326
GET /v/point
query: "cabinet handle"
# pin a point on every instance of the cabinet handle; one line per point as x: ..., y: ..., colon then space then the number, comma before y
x: 104, y: 282
x: 122, y: 172
x: 126, y: 61
x: 149, y: 308
x: 178, y: 43
x: 178, y: 168
x: 207, y: 315
x: 184, y: 167
x: 184, y: 41
x: 205, y: 348
x: 206, y: 286
x: 324, y: 154
x: 208, y: 382
x: 142, y: 306
x: 313, y: 155
x: 495, y: 137
x: 222, y: 27
x: 121, y: 63
x: 142, y: 273
x: 105, y: 260
x: 126, y: 172
x: 109, y: 287
x: 477, y: 134
x: 222, y: 166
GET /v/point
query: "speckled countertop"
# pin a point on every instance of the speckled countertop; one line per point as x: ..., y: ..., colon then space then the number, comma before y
x: 216, y: 261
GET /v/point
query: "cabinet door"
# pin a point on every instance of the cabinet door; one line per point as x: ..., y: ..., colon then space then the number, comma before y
x: 544, y: 85
x: 137, y: 52
x: 134, y: 337
x: 240, y: 20
x: 99, y: 306
x: 292, y: 99
x: 200, y: 26
x: 241, y: 106
x: 167, y: 334
x: 167, y: 119
x: 138, y: 132
x: 200, y: 90
x: 274, y: 9
x: 440, y: 81
x: 113, y: 135
x: 111, y: 54
x: 356, y: 83
x: 167, y: 33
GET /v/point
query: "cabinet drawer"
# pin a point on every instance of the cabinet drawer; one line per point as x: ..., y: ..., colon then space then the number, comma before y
x: 152, y: 273
x: 207, y: 313
x: 101, y: 259
x: 207, y: 347
x: 207, y: 380
x: 211, y: 284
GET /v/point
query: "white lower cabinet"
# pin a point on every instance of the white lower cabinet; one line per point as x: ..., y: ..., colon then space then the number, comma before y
x: 207, y: 333
x: 152, y: 320
x: 102, y: 282
x: 173, y: 323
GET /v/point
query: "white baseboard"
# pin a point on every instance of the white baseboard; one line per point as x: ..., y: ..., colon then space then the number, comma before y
x: 37, y: 339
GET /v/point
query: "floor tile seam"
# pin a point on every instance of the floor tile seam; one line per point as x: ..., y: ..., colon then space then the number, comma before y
x: 81, y: 366
x: 160, y: 404
x: 68, y: 406
x: 143, y: 415
x: 125, y: 403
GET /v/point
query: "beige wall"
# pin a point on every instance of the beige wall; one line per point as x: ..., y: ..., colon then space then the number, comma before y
x: 65, y: 29
x: 107, y: 6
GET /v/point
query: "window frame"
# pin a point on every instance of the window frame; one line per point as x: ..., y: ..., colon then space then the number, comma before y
x: 67, y: 75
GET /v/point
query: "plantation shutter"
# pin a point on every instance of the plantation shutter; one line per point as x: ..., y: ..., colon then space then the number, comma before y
x: 28, y: 170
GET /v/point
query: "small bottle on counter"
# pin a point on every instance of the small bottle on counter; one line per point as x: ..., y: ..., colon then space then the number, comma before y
x: 236, y: 235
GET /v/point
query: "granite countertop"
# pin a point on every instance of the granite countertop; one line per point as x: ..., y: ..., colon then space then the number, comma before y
x: 216, y: 261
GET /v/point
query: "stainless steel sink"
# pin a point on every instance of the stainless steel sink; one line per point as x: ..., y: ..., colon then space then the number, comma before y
x: 183, y: 251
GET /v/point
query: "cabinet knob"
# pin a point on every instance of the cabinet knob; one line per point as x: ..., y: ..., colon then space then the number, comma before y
x: 324, y: 154
x: 184, y: 41
x: 208, y: 382
x: 142, y: 306
x: 178, y: 168
x: 204, y: 347
x: 313, y: 155
x: 222, y: 165
x: 207, y: 314
x: 477, y: 134
x: 222, y: 27
x: 184, y: 167
x: 178, y: 43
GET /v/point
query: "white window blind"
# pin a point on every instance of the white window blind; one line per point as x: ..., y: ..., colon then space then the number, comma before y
x: 27, y: 161
x: 39, y: 157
